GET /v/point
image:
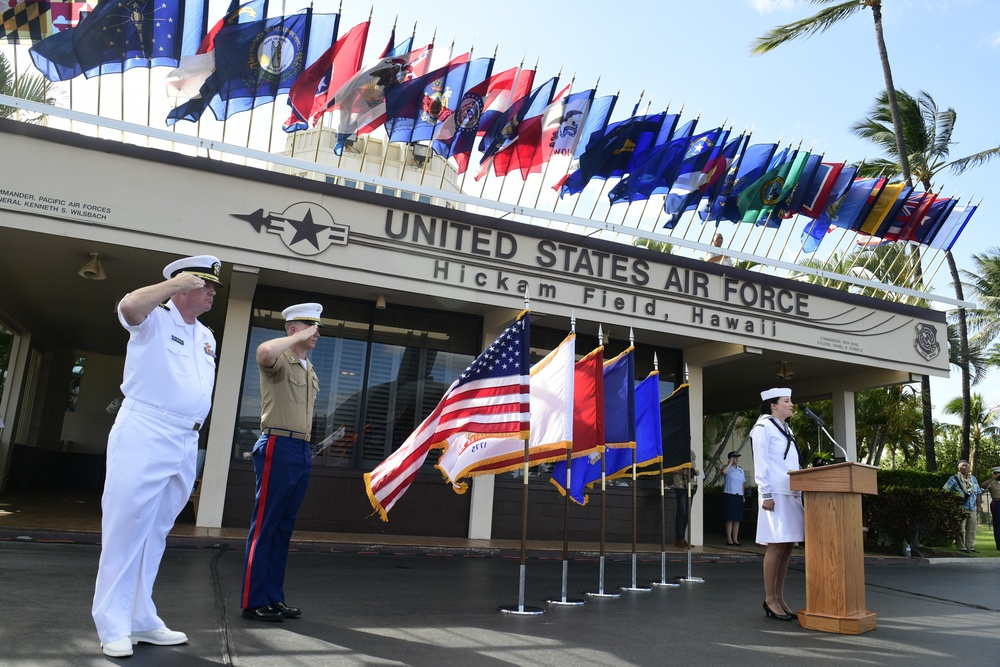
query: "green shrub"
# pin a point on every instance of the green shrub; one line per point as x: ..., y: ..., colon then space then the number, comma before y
x: 912, y: 479
x: 918, y: 516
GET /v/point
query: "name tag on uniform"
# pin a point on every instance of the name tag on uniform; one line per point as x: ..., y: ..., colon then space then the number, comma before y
x: 179, y: 341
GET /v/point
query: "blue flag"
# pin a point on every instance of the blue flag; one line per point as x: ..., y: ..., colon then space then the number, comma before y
x: 121, y: 34
x: 648, y: 431
x: 658, y: 173
x: 504, y: 130
x: 793, y: 202
x: 256, y: 62
x: 752, y: 165
x: 415, y: 108
x: 619, y: 421
x: 705, y: 163
x: 815, y: 231
x: 844, y: 211
x: 609, y: 155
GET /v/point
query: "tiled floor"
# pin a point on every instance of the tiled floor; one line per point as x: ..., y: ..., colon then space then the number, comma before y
x: 81, y: 512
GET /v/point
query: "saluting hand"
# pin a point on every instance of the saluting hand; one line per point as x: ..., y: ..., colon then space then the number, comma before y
x: 305, y: 334
x: 187, y: 282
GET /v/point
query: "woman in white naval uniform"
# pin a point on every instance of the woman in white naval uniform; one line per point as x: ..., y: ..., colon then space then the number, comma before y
x: 781, y: 519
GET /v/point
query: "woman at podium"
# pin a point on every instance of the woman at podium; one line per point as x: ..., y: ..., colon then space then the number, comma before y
x: 781, y: 519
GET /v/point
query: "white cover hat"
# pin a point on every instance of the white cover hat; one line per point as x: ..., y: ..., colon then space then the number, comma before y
x: 304, y: 312
x: 777, y: 392
x: 206, y: 267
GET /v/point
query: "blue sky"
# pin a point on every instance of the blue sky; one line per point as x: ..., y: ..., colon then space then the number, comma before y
x: 697, y: 54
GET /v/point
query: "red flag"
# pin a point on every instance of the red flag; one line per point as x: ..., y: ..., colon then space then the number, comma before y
x: 338, y: 64
x: 588, y: 404
x: 913, y: 222
x: 528, y: 153
x: 494, y: 94
x: 818, y: 192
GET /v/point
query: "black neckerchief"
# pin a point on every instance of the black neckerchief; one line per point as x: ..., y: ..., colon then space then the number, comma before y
x: 788, y: 435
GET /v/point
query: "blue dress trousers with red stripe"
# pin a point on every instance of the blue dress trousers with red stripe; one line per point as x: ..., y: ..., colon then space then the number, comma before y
x: 281, y: 466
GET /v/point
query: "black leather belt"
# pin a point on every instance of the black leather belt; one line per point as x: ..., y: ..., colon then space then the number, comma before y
x: 284, y: 432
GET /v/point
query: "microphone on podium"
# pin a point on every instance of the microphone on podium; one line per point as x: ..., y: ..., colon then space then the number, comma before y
x: 819, y: 422
x: 812, y: 415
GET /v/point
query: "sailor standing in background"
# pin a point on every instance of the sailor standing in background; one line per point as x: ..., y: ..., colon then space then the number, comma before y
x: 781, y: 519
x: 282, y: 460
x: 152, y: 447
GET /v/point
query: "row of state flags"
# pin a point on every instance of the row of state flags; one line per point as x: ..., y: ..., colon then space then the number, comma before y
x: 458, y: 104
x: 589, y: 418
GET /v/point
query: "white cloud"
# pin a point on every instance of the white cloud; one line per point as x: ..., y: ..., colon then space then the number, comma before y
x: 995, y: 40
x: 768, y: 6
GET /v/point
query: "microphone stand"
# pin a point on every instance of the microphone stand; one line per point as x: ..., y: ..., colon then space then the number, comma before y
x: 822, y: 426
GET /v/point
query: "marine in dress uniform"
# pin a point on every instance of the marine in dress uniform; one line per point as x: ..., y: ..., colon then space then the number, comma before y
x: 781, y: 519
x: 282, y: 460
x: 152, y: 447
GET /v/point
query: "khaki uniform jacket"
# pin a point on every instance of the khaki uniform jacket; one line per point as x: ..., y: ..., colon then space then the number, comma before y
x: 288, y: 393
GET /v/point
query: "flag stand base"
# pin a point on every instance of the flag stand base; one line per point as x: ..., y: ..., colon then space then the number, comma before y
x: 520, y: 610
x: 664, y: 584
x: 568, y: 602
x: 691, y: 580
x: 602, y: 594
x: 635, y: 588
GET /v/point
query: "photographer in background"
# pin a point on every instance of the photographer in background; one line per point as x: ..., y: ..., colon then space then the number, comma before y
x: 992, y: 486
x: 966, y: 486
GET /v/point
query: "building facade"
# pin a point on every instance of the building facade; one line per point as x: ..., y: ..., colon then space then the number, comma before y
x: 412, y: 291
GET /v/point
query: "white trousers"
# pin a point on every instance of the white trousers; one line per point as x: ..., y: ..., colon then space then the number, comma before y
x: 150, y: 472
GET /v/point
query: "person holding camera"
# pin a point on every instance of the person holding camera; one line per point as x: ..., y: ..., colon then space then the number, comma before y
x: 992, y: 486
x: 964, y: 484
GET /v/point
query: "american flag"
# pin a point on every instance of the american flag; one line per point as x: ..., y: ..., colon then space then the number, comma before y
x: 490, y: 398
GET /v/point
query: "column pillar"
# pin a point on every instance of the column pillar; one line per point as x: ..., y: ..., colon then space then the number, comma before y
x: 225, y: 403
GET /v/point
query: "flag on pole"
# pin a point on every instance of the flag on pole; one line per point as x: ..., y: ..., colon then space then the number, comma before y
x: 524, y: 151
x: 490, y: 399
x: 753, y: 162
x: 619, y: 428
x: 121, y: 34
x: 951, y: 227
x: 886, y: 203
x: 456, y: 137
x: 819, y: 190
x: 194, y: 69
x: 415, y: 109
x: 551, y: 425
x: 308, y: 95
x: 648, y: 431
x: 675, y: 420
x: 588, y: 424
x: 359, y: 105
x: 257, y: 61
x: 506, y: 128
x: 26, y: 22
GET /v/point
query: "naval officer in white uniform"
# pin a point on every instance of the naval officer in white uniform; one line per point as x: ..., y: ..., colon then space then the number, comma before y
x: 781, y: 519
x: 153, y: 446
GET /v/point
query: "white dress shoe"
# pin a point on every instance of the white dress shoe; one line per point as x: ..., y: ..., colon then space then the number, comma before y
x: 162, y: 636
x: 119, y: 648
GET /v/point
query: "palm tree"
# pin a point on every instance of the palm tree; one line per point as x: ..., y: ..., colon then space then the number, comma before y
x: 927, y: 131
x: 824, y: 20
x: 888, y: 417
x: 27, y: 87
x: 985, y: 423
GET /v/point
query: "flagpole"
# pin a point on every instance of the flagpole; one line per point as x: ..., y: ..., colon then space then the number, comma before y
x: 521, y: 609
x: 600, y: 592
x: 690, y: 578
x: 662, y: 583
x: 565, y: 556
x: 635, y: 500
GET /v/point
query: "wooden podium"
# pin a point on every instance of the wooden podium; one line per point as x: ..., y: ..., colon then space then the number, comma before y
x: 835, y: 559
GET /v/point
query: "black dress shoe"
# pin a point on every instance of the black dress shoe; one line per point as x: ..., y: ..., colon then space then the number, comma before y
x: 266, y: 613
x: 286, y: 611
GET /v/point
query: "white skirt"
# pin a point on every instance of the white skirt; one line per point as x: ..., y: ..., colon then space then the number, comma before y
x: 786, y: 523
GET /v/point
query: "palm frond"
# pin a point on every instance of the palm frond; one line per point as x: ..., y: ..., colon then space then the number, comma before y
x: 962, y: 165
x: 817, y: 23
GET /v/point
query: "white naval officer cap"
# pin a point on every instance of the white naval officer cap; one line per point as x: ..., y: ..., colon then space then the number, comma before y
x: 304, y: 312
x: 776, y: 392
x: 206, y: 267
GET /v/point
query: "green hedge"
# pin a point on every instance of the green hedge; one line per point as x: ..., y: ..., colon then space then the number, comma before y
x: 919, y: 517
x: 911, y: 479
